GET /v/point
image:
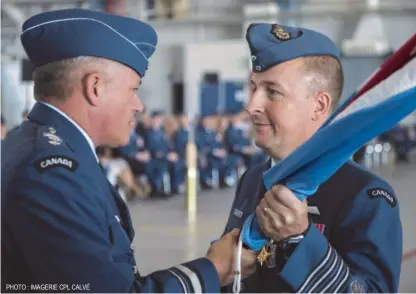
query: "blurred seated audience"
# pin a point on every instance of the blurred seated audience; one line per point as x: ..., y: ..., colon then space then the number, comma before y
x: 217, y: 166
x: 148, y: 171
x: 180, y: 137
x: 162, y: 150
x: 239, y: 143
x: 120, y: 175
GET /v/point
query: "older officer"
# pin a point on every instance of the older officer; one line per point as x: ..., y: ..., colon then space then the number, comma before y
x: 62, y: 222
x: 347, y: 237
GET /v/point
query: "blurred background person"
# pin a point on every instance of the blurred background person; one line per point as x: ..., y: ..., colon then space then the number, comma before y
x: 162, y: 150
x: 3, y: 128
x: 120, y: 175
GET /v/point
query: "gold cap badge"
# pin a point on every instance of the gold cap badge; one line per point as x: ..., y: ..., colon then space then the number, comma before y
x: 280, y: 33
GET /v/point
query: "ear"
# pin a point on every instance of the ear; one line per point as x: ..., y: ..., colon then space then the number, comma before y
x: 94, y: 86
x: 323, y: 102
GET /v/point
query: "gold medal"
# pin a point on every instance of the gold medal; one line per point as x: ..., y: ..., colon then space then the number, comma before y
x: 264, y: 254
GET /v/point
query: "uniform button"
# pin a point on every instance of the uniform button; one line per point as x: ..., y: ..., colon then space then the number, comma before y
x: 132, y: 246
x: 135, y: 271
x: 258, y: 68
x: 253, y: 58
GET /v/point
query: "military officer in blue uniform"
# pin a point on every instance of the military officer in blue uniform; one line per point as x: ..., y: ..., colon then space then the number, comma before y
x: 163, y: 151
x: 141, y: 162
x: 347, y: 237
x: 63, y: 224
x: 180, y: 137
x: 217, y: 158
x: 402, y: 144
x: 239, y: 144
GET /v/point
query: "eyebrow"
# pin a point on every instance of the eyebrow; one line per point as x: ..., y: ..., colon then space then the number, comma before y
x: 269, y: 83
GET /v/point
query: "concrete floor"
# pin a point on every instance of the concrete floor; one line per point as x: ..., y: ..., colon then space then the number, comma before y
x: 165, y: 237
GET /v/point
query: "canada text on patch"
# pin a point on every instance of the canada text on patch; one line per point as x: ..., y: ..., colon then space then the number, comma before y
x: 53, y: 161
x: 378, y: 192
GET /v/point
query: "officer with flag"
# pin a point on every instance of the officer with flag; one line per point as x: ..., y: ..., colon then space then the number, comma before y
x: 62, y: 221
x: 347, y: 236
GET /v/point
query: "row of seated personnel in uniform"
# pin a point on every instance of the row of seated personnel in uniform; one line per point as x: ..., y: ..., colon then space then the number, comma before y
x: 153, y: 163
x: 402, y: 139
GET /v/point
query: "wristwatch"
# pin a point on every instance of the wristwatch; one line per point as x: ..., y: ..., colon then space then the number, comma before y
x: 289, y: 245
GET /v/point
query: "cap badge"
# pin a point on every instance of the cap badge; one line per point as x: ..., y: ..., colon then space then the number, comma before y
x: 280, y: 33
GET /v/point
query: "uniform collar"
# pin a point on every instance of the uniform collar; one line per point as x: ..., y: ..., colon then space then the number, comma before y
x: 50, y: 115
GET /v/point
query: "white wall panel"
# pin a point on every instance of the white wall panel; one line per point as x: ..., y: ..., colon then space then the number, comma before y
x: 230, y: 58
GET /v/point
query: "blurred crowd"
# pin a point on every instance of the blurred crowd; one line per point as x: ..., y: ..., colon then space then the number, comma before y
x: 153, y: 164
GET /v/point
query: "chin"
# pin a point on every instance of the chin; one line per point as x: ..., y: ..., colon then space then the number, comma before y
x: 118, y: 141
x: 261, y: 140
x: 123, y: 141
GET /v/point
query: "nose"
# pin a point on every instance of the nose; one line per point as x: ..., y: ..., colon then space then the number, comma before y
x: 138, y: 105
x: 255, y: 104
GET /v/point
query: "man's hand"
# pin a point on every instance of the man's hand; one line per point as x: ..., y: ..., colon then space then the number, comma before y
x: 143, y: 156
x: 222, y: 255
x: 249, y: 150
x: 281, y: 214
x: 220, y: 152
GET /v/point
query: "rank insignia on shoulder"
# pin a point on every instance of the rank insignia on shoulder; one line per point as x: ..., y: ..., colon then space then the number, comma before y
x: 53, y: 161
x: 279, y: 33
x: 53, y: 139
x: 379, y: 192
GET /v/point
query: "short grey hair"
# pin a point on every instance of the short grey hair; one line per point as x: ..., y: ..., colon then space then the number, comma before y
x: 55, y: 79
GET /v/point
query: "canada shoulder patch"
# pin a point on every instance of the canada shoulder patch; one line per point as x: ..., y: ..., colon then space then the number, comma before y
x: 53, y: 161
x: 379, y: 192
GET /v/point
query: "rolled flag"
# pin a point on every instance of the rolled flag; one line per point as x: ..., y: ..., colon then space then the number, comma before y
x: 386, y: 98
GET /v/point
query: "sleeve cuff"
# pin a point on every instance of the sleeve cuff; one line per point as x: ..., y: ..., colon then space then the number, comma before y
x: 197, y: 276
x: 315, y: 266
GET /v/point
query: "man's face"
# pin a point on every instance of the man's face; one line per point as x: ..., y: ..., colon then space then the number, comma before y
x: 281, y: 108
x: 144, y: 119
x: 183, y: 120
x: 120, y: 105
x: 157, y: 121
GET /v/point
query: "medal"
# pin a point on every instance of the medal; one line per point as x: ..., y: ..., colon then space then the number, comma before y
x: 263, y: 255
x: 268, y: 254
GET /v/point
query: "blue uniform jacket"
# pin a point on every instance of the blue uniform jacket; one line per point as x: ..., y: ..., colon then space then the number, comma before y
x: 180, y: 141
x: 206, y: 141
x: 64, y: 224
x: 235, y: 140
x: 136, y: 144
x: 158, y: 143
x: 354, y: 242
